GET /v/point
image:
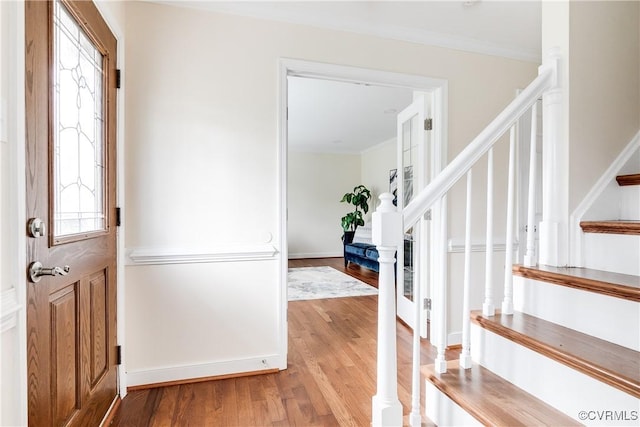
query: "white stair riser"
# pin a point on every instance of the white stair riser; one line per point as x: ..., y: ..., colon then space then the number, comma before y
x: 558, y: 385
x: 444, y: 411
x: 618, y: 253
x: 608, y: 318
x: 630, y: 202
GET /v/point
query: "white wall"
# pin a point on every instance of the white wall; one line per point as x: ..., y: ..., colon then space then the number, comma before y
x: 202, y: 164
x: 376, y: 164
x: 604, y: 84
x: 317, y: 182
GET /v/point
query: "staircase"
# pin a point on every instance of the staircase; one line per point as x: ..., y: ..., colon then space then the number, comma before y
x: 568, y: 355
x: 565, y: 347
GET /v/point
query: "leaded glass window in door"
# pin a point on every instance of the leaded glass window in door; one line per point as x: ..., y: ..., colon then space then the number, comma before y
x: 78, y: 191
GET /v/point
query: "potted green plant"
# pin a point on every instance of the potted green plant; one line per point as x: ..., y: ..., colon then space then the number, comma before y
x: 359, y: 198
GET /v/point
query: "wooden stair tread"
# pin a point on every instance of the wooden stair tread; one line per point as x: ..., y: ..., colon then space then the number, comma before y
x: 493, y: 400
x: 617, y: 285
x: 611, y: 227
x: 633, y: 179
x: 610, y: 363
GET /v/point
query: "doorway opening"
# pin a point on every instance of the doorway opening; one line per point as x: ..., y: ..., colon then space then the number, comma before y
x: 298, y: 141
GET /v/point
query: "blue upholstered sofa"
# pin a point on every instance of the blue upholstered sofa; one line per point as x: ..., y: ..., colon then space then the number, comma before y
x: 364, y: 254
x: 362, y: 251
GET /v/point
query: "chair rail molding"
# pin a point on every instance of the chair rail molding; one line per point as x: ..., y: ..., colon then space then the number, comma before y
x: 456, y: 245
x: 231, y: 253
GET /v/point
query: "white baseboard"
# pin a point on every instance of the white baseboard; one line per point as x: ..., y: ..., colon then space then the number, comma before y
x: 302, y: 255
x: 204, y: 370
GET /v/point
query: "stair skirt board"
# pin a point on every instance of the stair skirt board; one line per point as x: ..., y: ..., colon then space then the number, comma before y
x: 552, y: 382
x: 608, y: 318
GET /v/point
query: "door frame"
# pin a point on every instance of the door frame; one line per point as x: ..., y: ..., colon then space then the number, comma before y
x: 326, y: 71
x: 15, y: 124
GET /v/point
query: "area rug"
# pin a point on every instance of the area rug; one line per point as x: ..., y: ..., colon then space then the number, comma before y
x: 307, y: 283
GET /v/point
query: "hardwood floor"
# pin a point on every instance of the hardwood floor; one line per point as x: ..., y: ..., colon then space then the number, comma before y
x: 329, y: 381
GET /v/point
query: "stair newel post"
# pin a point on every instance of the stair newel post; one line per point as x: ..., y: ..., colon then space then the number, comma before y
x: 553, y: 247
x: 507, y: 302
x: 488, y: 309
x: 530, y: 256
x: 387, y: 234
x: 465, y: 354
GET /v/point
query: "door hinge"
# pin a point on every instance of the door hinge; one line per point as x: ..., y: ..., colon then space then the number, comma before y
x: 428, y: 124
x: 118, y: 79
x: 118, y: 355
x: 118, y: 217
x: 427, y: 304
x: 427, y: 215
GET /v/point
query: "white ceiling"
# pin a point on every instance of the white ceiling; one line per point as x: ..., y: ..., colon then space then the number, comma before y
x: 338, y: 117
x: 321, y: 113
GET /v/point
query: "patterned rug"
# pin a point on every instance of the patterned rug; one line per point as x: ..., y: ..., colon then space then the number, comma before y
x: 324, y: 282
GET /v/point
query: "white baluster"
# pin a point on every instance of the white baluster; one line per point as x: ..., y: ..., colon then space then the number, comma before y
x: 530, y: 256
x: 507, y: 302
x: 386, y: 235
x: 488, y: 309
x: 440, y: 298
x: 415, y: 419
x: 465, y: 354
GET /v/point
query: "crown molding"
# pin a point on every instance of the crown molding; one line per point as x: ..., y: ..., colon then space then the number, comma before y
x: 413, y: 35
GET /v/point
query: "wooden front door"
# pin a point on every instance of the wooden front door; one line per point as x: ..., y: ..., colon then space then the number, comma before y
x: 70, y: 182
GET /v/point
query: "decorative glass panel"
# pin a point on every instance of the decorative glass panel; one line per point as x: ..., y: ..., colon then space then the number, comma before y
x: 409, y: 154
x: 78, y: 130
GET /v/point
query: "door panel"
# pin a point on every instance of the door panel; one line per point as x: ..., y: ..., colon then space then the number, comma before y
x: 98, y: 326
x: 410, y: 150
x: 71, y: 110
x: 414, y: 162
x: 64, y: 361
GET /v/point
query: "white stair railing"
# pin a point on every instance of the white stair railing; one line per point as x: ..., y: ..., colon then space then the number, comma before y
x: 389, y: 227
x: 465, y: 354
x: 530, y: 256
x: 507, y: 302
x: 488, y: 307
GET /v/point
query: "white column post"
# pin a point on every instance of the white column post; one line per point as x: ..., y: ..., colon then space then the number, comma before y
x: 387, y: 234
x: 465, y: 354
x: 507, y: 302
x: 439, y: 301
x: 488, y: 309
x: 554, y: 227
x: 530, y: 256
x: 415, y: 419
